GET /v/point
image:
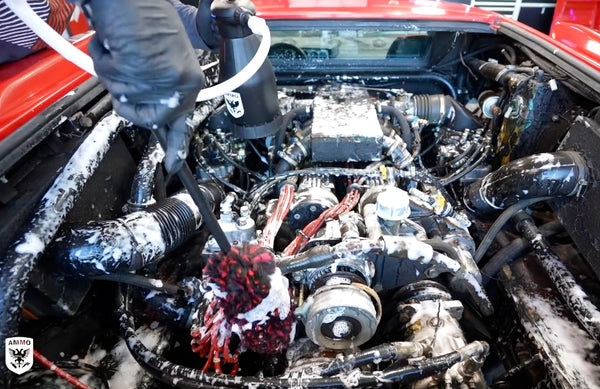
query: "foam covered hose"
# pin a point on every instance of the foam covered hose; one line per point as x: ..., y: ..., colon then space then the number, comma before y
x: 19, y: 260
x: 130, y: 242
x: 558, y: 174
x: 577, y: 299
x: 142, y: 188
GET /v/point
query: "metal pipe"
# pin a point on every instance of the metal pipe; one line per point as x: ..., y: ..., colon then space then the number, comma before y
x: 382, y: 353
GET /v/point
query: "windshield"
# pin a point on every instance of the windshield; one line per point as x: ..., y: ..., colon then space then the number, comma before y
x: 348, y: 44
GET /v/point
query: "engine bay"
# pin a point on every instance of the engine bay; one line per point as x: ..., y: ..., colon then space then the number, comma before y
x: 424, y: 229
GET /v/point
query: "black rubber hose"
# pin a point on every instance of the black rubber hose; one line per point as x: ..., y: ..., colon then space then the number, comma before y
x: 405, y: 129
x: 100, y: 108
x: 514, y: 250
x: 142, y: 187
x: 382, y: 353
x: 130, y: 242
x: 499, y: 223
x: 442, y: 109
x: 300, y: 114
x: 562, y: 173
x: 293, y: 155
x: 189, y: 378
x: 576, y: 298
x: 444, y: 247
x: 495, y: 71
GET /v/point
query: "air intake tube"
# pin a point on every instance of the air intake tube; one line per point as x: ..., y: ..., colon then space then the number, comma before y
x: 130, y: 242
x: 442, y: 109
x: 563, y: 173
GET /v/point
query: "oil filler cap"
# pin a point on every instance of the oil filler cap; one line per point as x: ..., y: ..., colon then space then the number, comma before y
x: 393, y: 204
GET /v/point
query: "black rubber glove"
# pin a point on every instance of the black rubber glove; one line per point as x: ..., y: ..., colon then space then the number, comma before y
x: 144, y: 58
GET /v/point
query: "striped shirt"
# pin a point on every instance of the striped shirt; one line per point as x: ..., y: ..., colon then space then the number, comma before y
x: 17, y: 40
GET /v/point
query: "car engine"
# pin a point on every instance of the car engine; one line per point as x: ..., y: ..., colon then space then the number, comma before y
x: 423, y: 230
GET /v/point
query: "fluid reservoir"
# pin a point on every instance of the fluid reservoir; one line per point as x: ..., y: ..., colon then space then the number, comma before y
x: 253, y: 108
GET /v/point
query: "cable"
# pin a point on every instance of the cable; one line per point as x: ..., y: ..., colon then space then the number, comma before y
x: 259, y: 191
x: 141, y: 282
x: 244, y: 169
x: 58, y: 371
x: 467, y: 167
x: 470, y: 148
x: 348, y: 203
x: 214, y: 177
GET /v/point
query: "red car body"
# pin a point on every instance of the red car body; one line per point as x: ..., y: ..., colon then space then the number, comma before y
x: 28, y: 86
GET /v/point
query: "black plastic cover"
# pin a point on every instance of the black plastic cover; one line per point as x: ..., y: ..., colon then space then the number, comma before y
x: 581, y: 218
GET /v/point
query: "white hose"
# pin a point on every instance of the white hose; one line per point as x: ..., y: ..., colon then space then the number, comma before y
x: 258, y: 26
x: 84, y: 61
x: 51, y: 37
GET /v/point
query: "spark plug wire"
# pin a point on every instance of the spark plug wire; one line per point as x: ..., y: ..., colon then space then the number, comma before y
x: 284, y: 203
x: 348, y: 203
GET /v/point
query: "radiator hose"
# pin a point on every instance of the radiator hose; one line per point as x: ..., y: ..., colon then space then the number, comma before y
x: 558, y: 174
x: 132, y: 241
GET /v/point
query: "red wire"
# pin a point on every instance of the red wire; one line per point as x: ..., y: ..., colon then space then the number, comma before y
x: 58, y: 371
x: 284, y: 203
x: 348, y: 202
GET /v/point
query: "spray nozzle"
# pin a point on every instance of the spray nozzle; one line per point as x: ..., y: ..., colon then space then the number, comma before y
x: 233, y: 12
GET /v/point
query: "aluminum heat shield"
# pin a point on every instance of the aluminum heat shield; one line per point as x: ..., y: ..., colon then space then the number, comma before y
x: 345, y: 127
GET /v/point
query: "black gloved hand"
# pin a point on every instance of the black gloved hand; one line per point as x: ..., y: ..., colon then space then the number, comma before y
x: 207, y: 25
x: 144, y: 58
